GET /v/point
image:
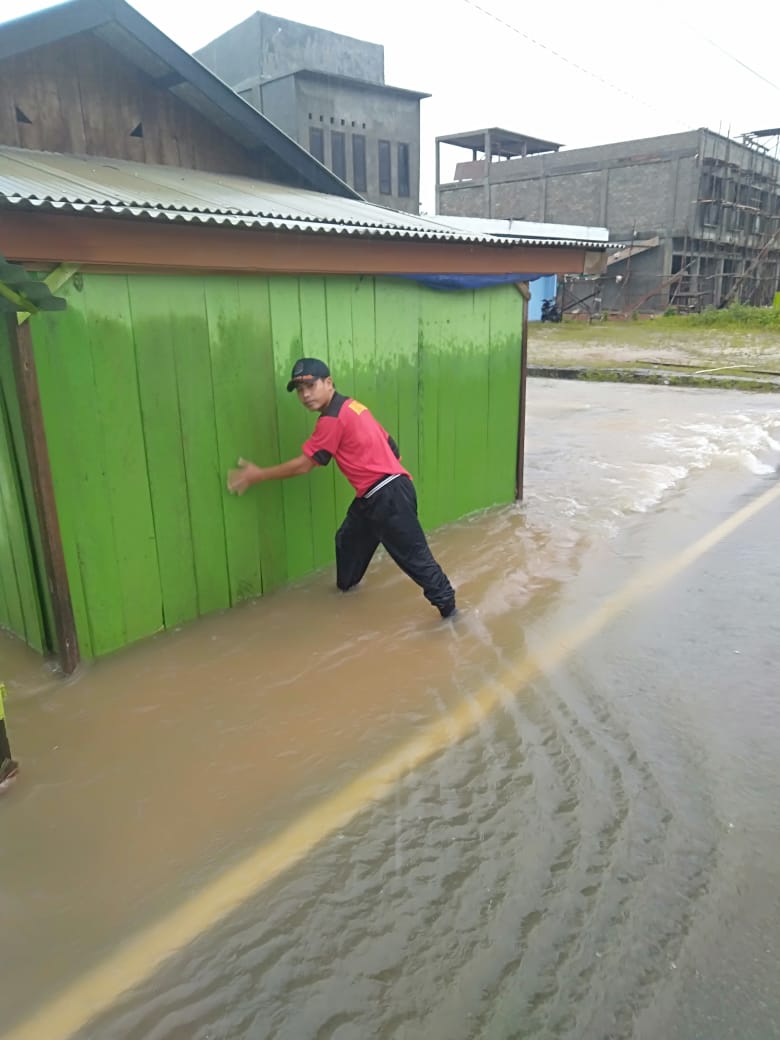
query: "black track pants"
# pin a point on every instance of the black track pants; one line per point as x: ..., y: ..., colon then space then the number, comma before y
x: 389, y: 518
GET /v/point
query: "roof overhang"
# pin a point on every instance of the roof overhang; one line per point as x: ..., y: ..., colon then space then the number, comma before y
x: 43, y: 239
x: 317, y: 76
x: 502, y: 142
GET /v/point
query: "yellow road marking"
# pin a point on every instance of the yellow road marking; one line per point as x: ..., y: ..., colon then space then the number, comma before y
x: 135, y: 961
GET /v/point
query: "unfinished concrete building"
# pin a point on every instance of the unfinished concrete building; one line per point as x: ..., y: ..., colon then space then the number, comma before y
x: 328, y: 92
x: 697, y: 214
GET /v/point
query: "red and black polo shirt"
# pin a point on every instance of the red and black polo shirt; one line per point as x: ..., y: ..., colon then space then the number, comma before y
x: 364, y: 452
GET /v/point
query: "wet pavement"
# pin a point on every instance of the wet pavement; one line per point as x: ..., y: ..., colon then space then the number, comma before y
x: 556, y: 817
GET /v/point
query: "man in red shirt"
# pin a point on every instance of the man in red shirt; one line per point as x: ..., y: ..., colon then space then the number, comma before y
x: 384, y: 509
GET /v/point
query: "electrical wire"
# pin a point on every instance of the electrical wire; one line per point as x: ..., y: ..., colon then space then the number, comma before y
x: 732, y: 57
x: 564, y: 58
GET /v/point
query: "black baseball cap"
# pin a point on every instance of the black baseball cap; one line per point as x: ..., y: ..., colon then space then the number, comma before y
x: 307, y: 368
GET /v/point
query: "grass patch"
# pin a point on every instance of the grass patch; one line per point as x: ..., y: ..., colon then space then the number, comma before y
x: 738, y: 316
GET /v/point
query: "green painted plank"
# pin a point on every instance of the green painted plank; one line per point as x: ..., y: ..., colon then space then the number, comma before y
x: 242, y: 375
x: 470, y: 402
x: 449, y: 312
x: 294, y: 422
x: 19, y: 526
x: 58, y: 382
x: 127, y: 509
x: 438, y: 359
x: 7, y: 379
x: 262, y: 402
x: 389, y: 327
x: 11, y: 612
x: 428, y: 410
x: 203, y: 472
x: 13, y: 616
x: 506, y: 315
x: 66, y: 383
x: 5, y: 608
x: 80, y: 474
x: 364, y: 375
x: 22, y: 606
x: 153, y: 312
x: 407, y: 306
x: 338, y: 303
x: 314, y: 332
x: 234, y: 375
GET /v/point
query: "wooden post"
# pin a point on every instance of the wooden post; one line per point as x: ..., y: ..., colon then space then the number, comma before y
x: 438, y: 176
x: 20, y: 337
x: 525, y: 292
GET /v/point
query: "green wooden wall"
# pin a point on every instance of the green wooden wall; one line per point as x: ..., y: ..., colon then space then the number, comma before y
x: 153, y: 385
x: 23, y: 600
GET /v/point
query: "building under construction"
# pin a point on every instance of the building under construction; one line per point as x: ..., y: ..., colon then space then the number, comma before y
x: 695, y: 216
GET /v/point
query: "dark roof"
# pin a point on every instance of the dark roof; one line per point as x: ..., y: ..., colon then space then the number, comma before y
x: 502, y: 142
x: 171, y: 68
x: 341, y: 80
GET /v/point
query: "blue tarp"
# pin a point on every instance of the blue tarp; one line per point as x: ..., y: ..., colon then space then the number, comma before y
x: 544, y: 288
x: 455, y: 282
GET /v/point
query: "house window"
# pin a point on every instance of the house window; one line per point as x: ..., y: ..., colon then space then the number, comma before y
x: 710, y: 214
x: 385, y: 174
x: 317, y: 143
x: 359, y: 162
x: 338, y: 154
x: 403, y: 171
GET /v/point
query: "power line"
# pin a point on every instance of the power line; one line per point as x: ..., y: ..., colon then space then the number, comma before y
x: 734, y: 58
x: 562, y: 57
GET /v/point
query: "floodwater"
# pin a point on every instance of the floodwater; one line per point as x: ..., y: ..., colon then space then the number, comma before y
x: 574, y: 830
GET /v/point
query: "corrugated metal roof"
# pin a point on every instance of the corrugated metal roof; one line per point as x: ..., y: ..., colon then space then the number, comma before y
x: 524, y: 229
x: 116, y: 187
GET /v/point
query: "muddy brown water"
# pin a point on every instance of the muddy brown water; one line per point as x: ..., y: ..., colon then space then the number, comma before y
x: 567, y: 866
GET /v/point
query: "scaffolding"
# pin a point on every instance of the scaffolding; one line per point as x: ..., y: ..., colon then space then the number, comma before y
x: 732, y: 251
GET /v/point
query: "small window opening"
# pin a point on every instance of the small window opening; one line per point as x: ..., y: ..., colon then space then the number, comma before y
x: 137, y: 131
x: 21, y: 117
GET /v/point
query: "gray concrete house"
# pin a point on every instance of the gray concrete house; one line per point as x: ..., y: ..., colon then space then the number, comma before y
x: 698, y: 213
x: 328, y: 92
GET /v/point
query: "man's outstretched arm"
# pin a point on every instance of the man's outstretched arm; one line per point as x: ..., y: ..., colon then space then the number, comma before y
x: 239, y: 480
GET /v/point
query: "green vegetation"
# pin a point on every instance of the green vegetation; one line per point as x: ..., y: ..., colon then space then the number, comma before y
x: 738, y: 316
x: 735, y: 347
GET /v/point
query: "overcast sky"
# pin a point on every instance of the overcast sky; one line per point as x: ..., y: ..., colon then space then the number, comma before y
x: 576, y: 73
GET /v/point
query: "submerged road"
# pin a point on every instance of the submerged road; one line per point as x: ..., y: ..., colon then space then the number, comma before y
x: 578, y: 837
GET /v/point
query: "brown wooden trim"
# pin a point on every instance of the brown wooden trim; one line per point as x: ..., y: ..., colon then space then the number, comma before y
x: 525, y: 292
x: 20, y: 337
x: 133, y: 244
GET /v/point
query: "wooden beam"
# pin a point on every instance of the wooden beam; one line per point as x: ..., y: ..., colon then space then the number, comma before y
x: 20, y: 337
x: 136, y: 244
x: 54, y: 280
x: 525, y: 292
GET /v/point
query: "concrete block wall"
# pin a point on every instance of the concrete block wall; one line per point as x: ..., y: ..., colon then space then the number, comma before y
x: 374, y: 114
x: 264, y: 46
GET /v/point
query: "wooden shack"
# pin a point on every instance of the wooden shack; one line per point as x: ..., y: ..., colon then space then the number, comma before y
x: 200, y: 251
